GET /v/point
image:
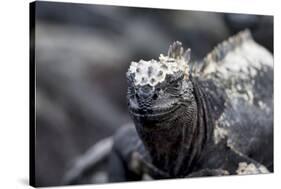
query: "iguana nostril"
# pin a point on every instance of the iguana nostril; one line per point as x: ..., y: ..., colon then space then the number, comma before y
x: 155, y: 96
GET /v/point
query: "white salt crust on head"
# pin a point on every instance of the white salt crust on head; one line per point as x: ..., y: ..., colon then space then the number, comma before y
x: 153, y: 72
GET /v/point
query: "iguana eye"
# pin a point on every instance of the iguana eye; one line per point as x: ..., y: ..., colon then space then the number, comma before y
x: 177, y: 85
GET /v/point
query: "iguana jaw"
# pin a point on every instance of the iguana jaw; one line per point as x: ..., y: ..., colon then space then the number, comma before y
x: 153, y: 115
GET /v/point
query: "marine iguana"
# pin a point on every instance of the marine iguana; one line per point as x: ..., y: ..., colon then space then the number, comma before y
x: 213, y: 117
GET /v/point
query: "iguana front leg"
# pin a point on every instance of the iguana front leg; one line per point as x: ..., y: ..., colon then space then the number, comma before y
x: 119, y: 170
x: 123, y: 161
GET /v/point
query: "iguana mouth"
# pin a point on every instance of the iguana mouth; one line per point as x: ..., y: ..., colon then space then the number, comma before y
x: 154, y: 114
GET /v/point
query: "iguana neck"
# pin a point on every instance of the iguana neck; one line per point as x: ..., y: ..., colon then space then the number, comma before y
x: 174, y: 150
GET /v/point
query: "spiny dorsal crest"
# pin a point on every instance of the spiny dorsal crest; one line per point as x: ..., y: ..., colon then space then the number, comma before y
x: 222, y: 49
x: 176, y: 51
x: 153, y: 72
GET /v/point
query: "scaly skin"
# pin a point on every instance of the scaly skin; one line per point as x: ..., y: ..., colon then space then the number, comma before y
x: 214, y: 119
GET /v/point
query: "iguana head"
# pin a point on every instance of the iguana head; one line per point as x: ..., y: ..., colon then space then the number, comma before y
x: 157, y: 89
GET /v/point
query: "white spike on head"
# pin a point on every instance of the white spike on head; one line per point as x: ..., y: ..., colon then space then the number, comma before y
x: 153, y: 72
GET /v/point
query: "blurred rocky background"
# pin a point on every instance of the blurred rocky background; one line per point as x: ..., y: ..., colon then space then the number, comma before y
x: 82, y: 54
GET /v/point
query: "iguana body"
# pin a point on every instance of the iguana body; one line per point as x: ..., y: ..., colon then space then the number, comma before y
x: 214, y: 119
